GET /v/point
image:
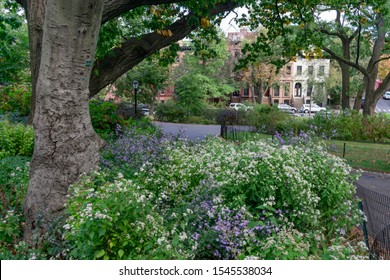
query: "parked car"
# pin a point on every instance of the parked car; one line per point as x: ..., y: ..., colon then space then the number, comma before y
x: 386, y: 95
x: 240, y: 106
x: 288, y: 108
x: 313, y: 108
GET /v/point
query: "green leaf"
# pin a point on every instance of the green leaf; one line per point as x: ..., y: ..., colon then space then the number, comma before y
x: 102, y: 231
x: 99, y: 254
x: 120, y: 253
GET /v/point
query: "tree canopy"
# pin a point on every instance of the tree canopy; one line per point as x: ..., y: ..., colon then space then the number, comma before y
x: 14, y: 55
x: 302, y: 28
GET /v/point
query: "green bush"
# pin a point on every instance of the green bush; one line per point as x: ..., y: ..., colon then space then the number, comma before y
x: 106, y: 116
x: 16, y: 139
x: 352, y: 125
x: 231, y: 117
x: 376, y: 127
x: 115, y: 221
x: 266, y: 118
x: 294, y: 124
x: 198, y: 120
x: 170, y: 111
x: 16, y: 98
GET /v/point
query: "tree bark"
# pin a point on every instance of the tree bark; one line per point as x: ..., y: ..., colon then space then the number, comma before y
x: 345, y: 68
x: 35, y: 11
x: 65, y: 142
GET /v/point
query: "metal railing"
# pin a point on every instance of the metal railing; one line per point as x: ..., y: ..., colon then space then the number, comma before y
x: 376, y: 207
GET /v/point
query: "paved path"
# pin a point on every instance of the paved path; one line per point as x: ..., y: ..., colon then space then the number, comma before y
x: 193, y: 131
x: 378, y: 182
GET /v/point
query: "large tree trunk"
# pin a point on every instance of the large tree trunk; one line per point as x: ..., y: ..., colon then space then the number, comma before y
x: 370, y: 100
x: 65, y: 142
x: 345, y: 74
x: 35, y: 11
x: 345, y: 85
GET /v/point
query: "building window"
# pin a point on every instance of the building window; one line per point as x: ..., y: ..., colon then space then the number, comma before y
x: 276, y: 90
x: 298, y: 90
x: 287, y: 89
x: 299, y: 70
x: 236, y: 93
x: 246, y: 90
x: 322, y: 70
x: 288, y: 70
x: 276, y: 101
x: 309, y: 89
x: 311, y: 70
x: 256, y: 90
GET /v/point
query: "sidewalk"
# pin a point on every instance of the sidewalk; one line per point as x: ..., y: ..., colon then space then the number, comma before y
x: 378, y: 182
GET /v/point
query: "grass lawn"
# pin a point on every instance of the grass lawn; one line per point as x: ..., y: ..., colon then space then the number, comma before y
x: 367, y: 156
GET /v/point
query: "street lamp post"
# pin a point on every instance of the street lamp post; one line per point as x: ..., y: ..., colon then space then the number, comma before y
x: 135, y: 86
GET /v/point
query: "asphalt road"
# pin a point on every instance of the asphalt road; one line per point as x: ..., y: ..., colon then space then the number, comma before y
x: 378, y: 182
x: 192, y: 131
x: 383, y: 106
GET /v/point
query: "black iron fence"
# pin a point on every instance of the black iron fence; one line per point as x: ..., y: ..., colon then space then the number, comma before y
x: 237, y: 132
x: 376, y: 207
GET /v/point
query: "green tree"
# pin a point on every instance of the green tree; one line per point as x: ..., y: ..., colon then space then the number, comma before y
x: 14, y: 55
x: 151, y: 76
x: 301, y: 27
x: 200, y: 77
x: 63, y: 35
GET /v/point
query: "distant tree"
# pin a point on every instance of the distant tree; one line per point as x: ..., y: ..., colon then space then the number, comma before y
x: 199, y: 76
x: 151, y: 76
x: 259, y: 72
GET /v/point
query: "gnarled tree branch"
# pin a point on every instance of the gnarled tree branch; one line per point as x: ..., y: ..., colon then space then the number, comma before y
x: 122, y: 59
x: 114, y: 8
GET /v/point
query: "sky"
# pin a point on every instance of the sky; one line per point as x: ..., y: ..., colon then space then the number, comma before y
x: 228, y: 25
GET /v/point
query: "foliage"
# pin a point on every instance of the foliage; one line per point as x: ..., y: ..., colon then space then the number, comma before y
x: 212, y: 200
x: 96, y: 206
x: 16, y: 139
x: 199, y: 78
x: 376, y: 127
x: 351, y: 125
x: 231, y: 117
x: 254, y: 175
x: 16, y: 98
x: 135, y: 146
x: 265, y: 118
x: 151, y: 76
x: 106, y: 116
x: 13, y: 187
x: 170, y: 111
x: 302, y: 30
x: 14, y: 55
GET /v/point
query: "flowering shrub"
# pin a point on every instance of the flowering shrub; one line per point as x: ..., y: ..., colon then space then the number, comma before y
x: 300, y: 188
x: 13, y: 187
x: 115, y: 221
x: 136, y: 146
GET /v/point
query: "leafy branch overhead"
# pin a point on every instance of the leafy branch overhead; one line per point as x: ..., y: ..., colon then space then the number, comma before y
x: 159, y: 32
